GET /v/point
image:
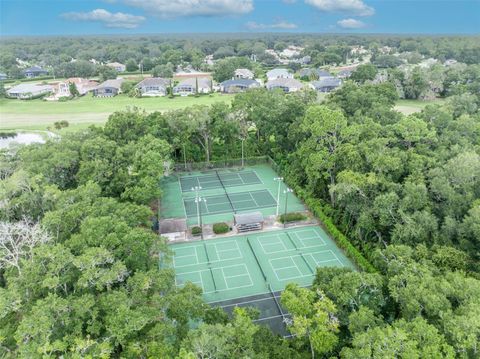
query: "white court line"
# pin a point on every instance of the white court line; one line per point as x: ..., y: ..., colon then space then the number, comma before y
x: 196, y: 254
x: 175, y: 260
x: 276, y: 269
x: 177, y: 284
x: 279, y: 240
x: 336, y: 259
x: 247, y: 272
x: 211, y: 261
x: 230, y: 242
x: 250, y: 193
x: 246, y: 302
x: 236, y: 249
x: 318, y: 237
x: 225, y: 278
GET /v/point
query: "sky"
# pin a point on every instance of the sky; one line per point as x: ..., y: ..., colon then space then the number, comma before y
x: 88, y: 17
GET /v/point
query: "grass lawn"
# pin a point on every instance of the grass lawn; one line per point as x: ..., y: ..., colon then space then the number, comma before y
x: 88, y: 110
x: 408, y: 107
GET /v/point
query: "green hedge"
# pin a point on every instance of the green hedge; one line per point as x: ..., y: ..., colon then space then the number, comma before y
x: 353, y: 253
x: 292, y: 217
x: 196, y: 231
x: 219, y: 228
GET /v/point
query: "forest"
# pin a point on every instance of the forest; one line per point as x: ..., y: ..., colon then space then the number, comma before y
x: 162, y: 52
x: 79, y: 273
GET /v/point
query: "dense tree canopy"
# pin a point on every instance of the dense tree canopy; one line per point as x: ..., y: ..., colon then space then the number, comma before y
x: 84, y: 278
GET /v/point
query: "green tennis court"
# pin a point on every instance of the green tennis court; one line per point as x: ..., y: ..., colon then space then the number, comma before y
x: 219, y: 180
x: 224, y: 203
x: 226, y: 191
x: 242, y: 266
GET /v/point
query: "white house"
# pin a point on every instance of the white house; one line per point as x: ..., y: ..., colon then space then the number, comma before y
x: 279, y: 74
x: 108, y: 88
x: 238, y: 85
x: 117, y: 66
x: 244, y: 74
x: 154, y: 86
x: 28, y: 91
x: 62, y: 89
x: 192, y: 86
x: 285, y: 84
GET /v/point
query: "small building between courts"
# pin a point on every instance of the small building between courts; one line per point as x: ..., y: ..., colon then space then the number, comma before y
x: 245, y: 222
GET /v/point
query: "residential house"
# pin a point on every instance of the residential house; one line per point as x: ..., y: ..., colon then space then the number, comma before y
x: 305, y: 60
x: 306, y: 72
x: 238, y: 85
x: 326, y: 84
x: 108, y: 88
x: 450, y: 62
x: 29, y: 91
x: 59, y: 90
x: 344, y: 74
x: 192, y: 86
x: 117, y: 66
x: 322, y: 74
x: 154, y: 86
x: 62, y: 89
x: 3, y: 76
x: 244, y: 74
x: 286, y: 84
x: 279, y: 74
x: 35, y: 71
x: 191, y: 74
x: 83, y: 85
x: 209, y: 60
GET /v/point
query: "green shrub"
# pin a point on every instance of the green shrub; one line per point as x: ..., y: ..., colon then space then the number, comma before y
x: 219, y: 228
x: 292, y: 217
x: 196, y: 231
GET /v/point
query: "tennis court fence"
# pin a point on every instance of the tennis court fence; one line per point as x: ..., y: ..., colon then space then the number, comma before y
x: 225, y: 163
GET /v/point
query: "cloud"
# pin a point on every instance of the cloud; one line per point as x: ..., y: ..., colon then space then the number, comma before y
x: 281, y: 25
x: 184, y: 8
x: 119, y: 19
x: 354, y: 7
x: 351, y: 24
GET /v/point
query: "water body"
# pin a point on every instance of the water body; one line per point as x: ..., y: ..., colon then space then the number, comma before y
x: 23, y: 138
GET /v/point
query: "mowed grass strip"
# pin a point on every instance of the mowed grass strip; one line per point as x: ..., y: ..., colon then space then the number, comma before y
x: 87, y: 110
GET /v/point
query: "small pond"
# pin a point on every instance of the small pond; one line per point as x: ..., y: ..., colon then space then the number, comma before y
x: 22, y: 138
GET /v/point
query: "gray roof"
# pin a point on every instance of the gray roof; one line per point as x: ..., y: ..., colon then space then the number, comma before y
x: 34, y: 69
x: 327, y: 82
x: 284, y: 83
x: 202, y: 82
x: 305, y: 72
x: 154, y: 81
x: 278, y: 72
x: 323, y: 73
x: 26, y: 88
x: 117, y: 83
x: 344, y: 73
x: 239, y: 82
x: 248, y: 218
x: 244, y: 72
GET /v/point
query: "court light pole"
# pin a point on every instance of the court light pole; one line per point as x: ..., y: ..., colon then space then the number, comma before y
x: 196, y: 189
x: 279, y: 179
x: 286, y: 192
x: 199, y: 201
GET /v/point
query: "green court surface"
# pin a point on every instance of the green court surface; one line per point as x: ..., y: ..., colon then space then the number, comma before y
x: 242, y: 266
x: 218, y: 180
x: 223, y: 203
x: 224, y: 191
